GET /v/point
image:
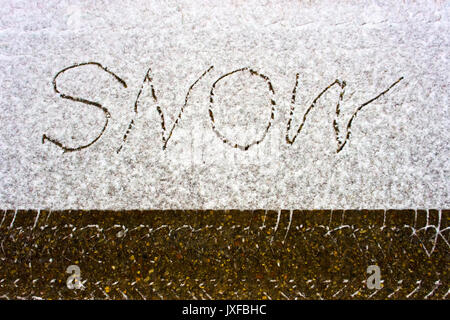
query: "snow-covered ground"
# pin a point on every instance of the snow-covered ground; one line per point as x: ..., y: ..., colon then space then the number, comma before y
x: 396, y: 156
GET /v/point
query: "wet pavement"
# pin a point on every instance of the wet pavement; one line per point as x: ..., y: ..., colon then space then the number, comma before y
x: 177, y: 254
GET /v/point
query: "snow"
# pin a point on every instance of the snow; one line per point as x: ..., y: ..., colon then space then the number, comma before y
x: 396, y: 157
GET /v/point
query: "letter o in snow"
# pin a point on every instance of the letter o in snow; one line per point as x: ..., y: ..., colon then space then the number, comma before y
x: 272, y: 103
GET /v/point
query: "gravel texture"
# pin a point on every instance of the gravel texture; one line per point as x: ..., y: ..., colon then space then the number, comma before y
x: 225, y: 254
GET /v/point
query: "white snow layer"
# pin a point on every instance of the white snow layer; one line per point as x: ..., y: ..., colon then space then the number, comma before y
x: 396, y: 156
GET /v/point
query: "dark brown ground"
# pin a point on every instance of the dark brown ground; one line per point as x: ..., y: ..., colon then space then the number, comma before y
x: 225, y: 254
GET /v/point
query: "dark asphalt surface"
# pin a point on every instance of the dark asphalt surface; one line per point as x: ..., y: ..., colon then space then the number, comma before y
x: 225, y: 254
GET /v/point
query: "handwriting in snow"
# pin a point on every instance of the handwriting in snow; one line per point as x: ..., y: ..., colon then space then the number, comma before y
x: 166, y: 133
